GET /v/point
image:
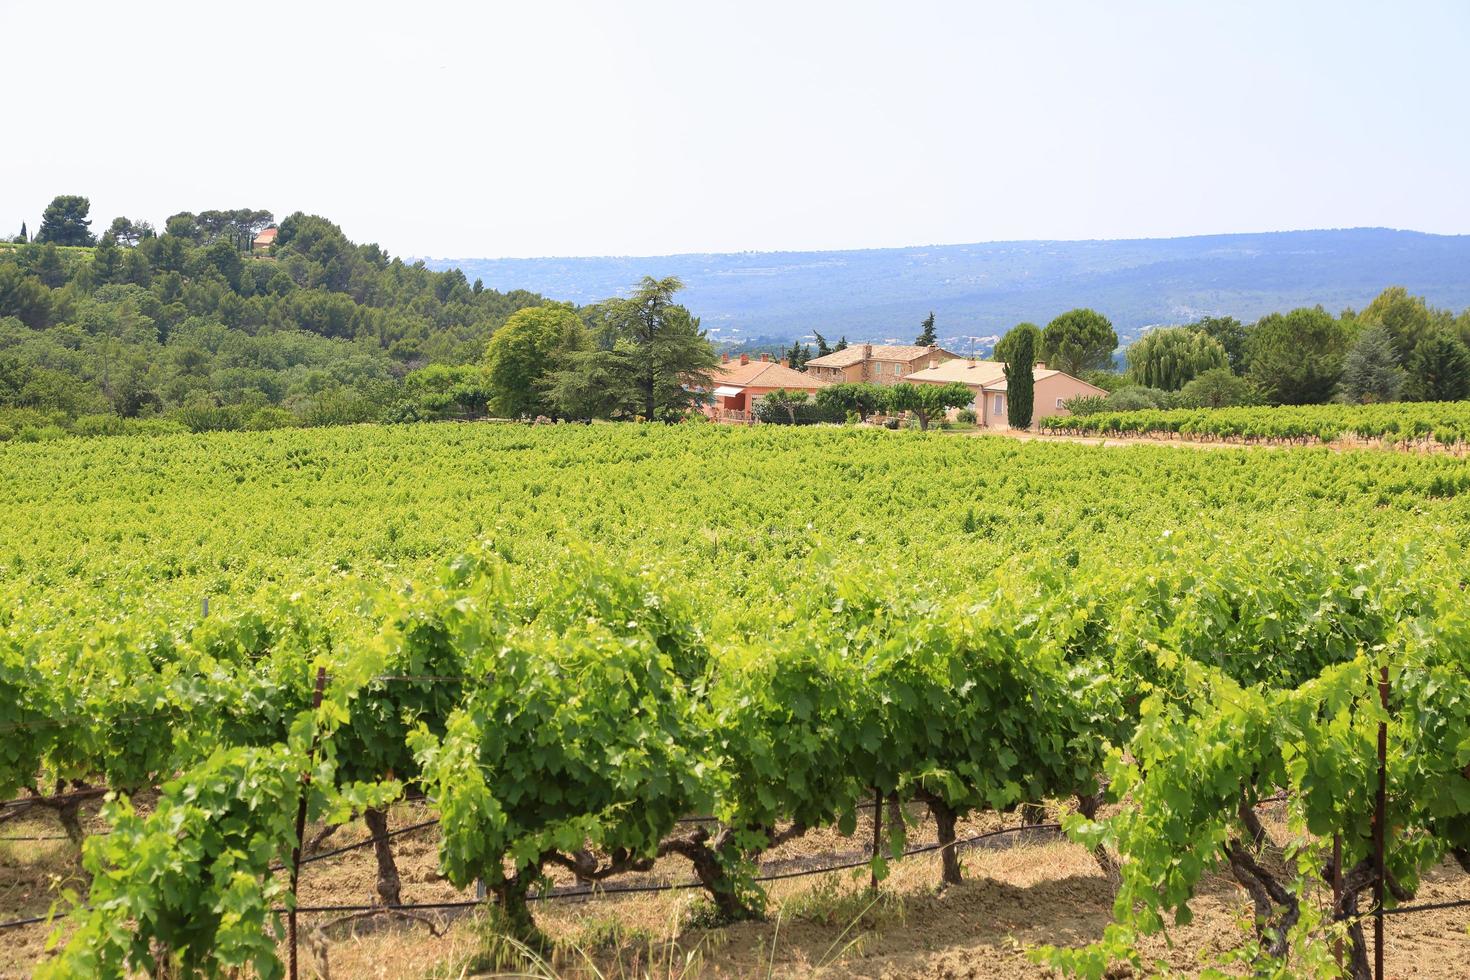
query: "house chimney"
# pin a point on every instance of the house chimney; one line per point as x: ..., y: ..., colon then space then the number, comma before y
x: 744, y: 358
x: 785, y: 362
x: 725, y: 358
x: 867, y: 351
x: 765, y: 357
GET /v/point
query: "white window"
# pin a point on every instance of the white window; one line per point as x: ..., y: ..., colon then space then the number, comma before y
x: 1000, y: 404
x: 1059, y: 403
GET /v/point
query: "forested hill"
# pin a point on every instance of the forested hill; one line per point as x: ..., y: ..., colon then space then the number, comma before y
x: 195, y: 326
x: 980, y: 290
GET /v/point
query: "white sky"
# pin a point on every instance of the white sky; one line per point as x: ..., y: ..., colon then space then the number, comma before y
x: 577, y: 128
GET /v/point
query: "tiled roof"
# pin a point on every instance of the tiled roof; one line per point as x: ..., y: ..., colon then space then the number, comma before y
x: 266, y: 237
x: 960, y: 369
x: 764, y: 374
x: 989, y: 375
x: 853, y: 354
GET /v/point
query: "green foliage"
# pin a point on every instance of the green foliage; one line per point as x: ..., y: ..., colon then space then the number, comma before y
x: 1086, y: 404
x: 1231, y: 334
x: 1446, y: 423
x: 1439, y: 369
x: 1296, y: 357
x: 1005, y: 347
x: 1217, y: 388
x: 1370, y: 371
x: 863, y: 398
x: 1131, y: 398
x: 662, y: 619
x: 1171, y: 357
x: 1406, y: 320
x: 65, y: 222
x: 927, y: 337
x: 928, y: 401
x: 1077, y: 341
x: 1020, y: 381
x: 521, y: 355
x: 153, y: 324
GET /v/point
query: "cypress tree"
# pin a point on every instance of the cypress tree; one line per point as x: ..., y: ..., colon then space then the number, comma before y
x: 927, y: 338
x: 1021, y: 382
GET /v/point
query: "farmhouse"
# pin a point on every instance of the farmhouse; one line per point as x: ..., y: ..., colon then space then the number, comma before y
x: 988, y: 381
x: 740, y: 384
x: 883, y: 364
x: 264, y: 240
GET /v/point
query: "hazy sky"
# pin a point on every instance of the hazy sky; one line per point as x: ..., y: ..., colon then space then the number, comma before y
x: 574, y: 128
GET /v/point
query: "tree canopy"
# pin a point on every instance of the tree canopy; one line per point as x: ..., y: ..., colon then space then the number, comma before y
x: 1231, y: 335
x: 65, y: 221
x: 522, y: 354
x: 927, y: 337
x: 1370, y: 371
x: 1077, y: 341
x: 1296, y: 357
x: 928, y: 401
x: 1439, y: 369
x: 1170, y: 357
x: 1005, y: 348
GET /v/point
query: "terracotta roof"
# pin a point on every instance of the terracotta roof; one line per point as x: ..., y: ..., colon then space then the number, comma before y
x: 266, y: 237
x: 763, y: 374
x: 853, y: 354
x: 989, y: 375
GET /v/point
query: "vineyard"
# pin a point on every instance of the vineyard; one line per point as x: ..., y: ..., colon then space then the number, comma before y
x: 593, y: 650
x: 1423, y: 426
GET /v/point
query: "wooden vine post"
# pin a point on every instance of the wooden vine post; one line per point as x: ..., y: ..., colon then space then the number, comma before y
x: 1380, y: 812
x: 316, y: 702
x: 877, y: 832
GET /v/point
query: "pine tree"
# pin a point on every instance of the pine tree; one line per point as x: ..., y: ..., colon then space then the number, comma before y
x: 24, y: 236
x: 1021, y: 382
x: 841, y: 344
x: 927, y: 338
x: 1371, y: 372
x: 822, y: 349
x: 1439, y: 370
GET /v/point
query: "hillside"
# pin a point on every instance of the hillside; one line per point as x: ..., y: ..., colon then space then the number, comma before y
x: 980, y: 290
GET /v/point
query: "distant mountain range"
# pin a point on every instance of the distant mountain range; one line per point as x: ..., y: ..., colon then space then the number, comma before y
x: 979, y: 291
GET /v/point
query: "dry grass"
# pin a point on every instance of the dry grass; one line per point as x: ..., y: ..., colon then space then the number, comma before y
x: 1014, y: 898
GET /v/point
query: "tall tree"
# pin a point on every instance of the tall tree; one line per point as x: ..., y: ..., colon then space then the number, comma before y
x: 522, y: 354
x: 24, y: 236
x: 1006, y: 347
x: 1020, y: 381
x: 64, y: 222
x: 1171, y: 357
x: 1370, y: 371
x: 1296, y: 357
x: 106, y: 261
x: 1078, y: 340
x: 841, y: 344
x: 1231, y: 335
x: 1407, y: 319
x: 674, y: 355
x: 127, y: 232
x: 24, y: 297
x: 49, y: 268
x: 927, y: 337
x: 1439, y: 371
x: 822, y: 349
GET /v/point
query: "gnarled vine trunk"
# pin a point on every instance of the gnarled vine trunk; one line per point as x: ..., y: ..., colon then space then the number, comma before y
x: 388, y: 882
